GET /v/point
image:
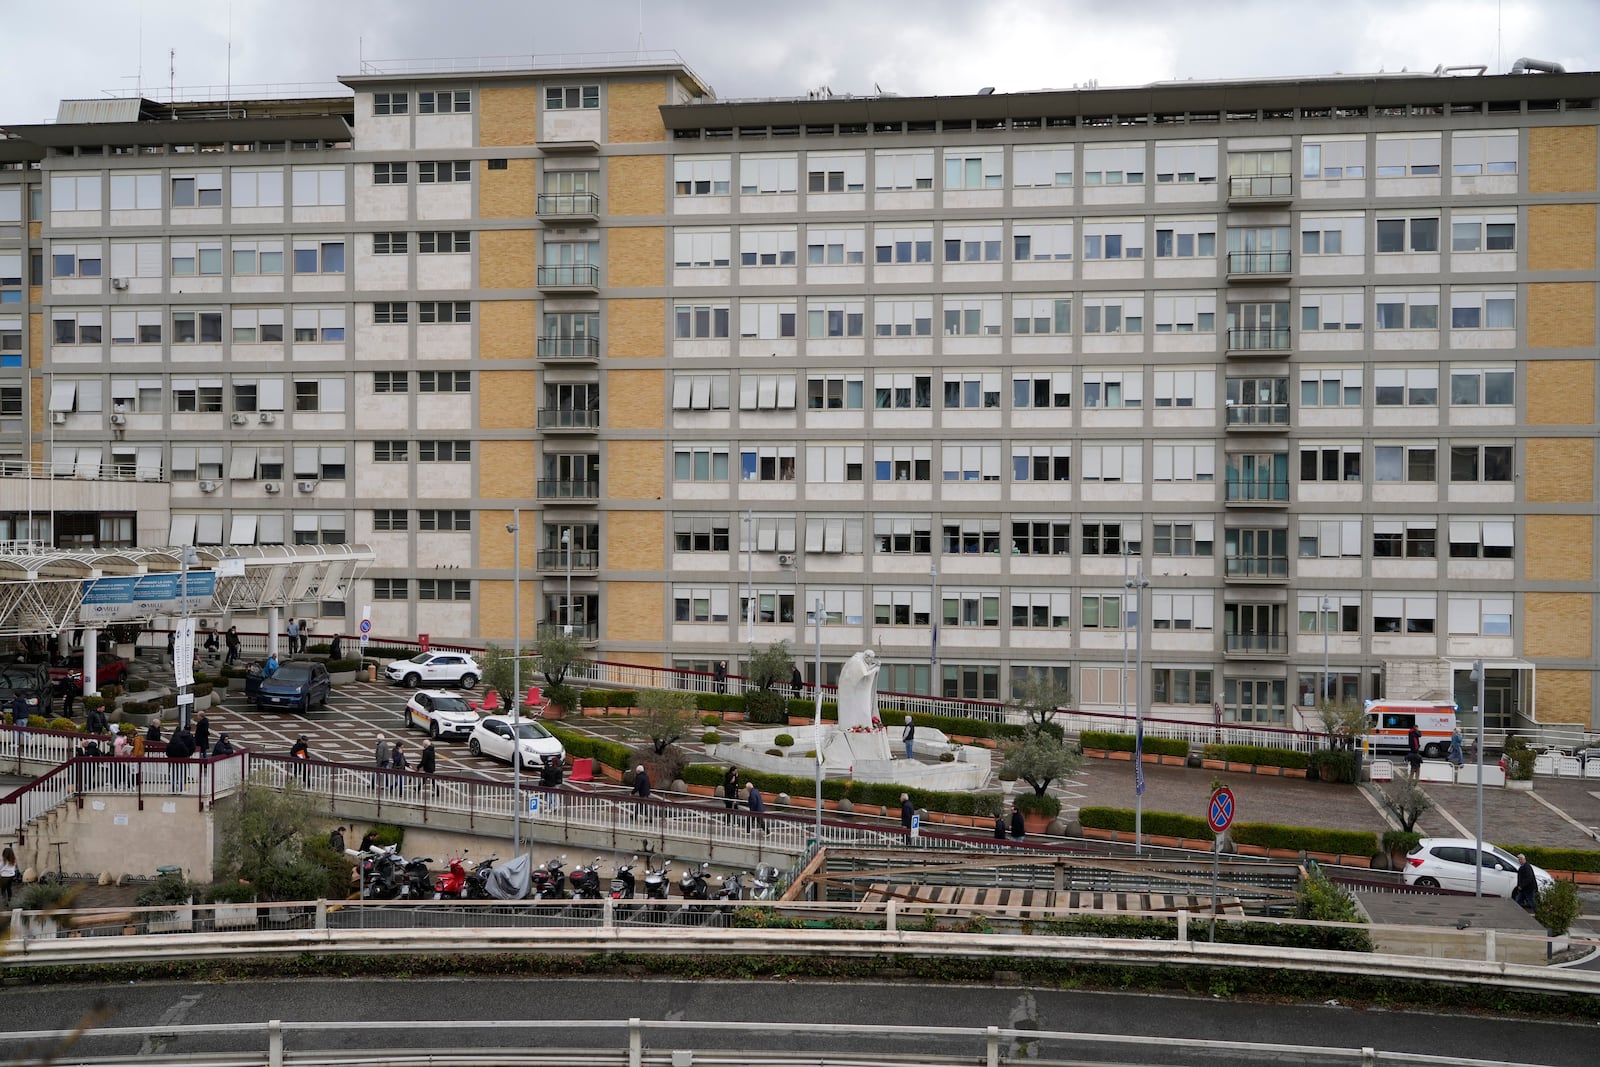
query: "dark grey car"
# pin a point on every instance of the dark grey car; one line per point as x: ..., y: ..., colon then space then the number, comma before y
x: 295, y: 687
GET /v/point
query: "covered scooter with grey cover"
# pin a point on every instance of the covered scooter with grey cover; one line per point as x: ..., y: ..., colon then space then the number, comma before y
x: 510, y: 880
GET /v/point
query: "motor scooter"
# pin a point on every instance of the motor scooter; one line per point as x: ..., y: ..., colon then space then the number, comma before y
x: 416, y: 881
x: 622, y: 882
x: 477, y: 887
x: 658, y: 880
x: 585, y: 879
x: 380, y: 869
x: 452, y: 884
x: 764, y: 883
x: 549, y: 881
x: 694, y: 884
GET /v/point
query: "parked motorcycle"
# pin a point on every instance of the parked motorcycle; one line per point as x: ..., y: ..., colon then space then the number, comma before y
x: 452, y: 884
x: 764, y: 883
x: 730, y: 887
x: 658, y: 880
x: 381, y: 871
x: 478, y: 879
x: 694, y: 885
x: 549, y: 880
x: 585, y: 879
x: 622, y: 881
x: 416, y: 881
x: 510, y: 880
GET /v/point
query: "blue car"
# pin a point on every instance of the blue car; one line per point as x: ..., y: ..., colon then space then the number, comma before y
x: 293, y: 687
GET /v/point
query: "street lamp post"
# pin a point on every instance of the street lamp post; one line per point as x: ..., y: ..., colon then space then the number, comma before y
x: 749, y: 591
x: 514, y: 528
x: 566, y: 543
x: 1327, y: 678
x: 1137, y: 585
x: 183, y: 644
x: 1127, y: 583
x: 1477, y: 871
x: 934, y: 611
x: 816, y: 717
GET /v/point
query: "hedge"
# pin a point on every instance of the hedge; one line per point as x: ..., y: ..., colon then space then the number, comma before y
x: 1333, y: 764
x: 1163, y: 823
x: 582, y: 746
x: 1033, y: 804
x: 1557, y: 859
x: 1260, y: 755
x: 1229, y: 933
x: 886, y: 794
x: 1266, y: 835
x: 1165, y: 746
x: 609, y: 698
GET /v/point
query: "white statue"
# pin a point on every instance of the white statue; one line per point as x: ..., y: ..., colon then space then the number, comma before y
x: 858, y: 684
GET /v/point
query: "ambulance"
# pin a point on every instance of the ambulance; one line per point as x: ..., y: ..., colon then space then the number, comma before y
x: 1389, y: 723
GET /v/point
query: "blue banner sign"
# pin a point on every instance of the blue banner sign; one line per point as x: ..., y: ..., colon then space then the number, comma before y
x: 137, y: 597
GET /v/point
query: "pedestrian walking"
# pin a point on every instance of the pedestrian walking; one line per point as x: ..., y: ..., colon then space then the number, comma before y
x: 1456, y: 758
x: 202, y: 734
x: 730, y: 789
x: 336, y: 647
x: 380, y: 758
x: 69, y: 696
x: 908, y: 736
x: 398, y: 764
x: 172, y: 643
x: 8, y: 874
x: 1527, y: 891
x: 427, y: 761
x: 908, y: 812
x: 294, y: 637
x: 757, y: 805
x: 178, y: 750
x: 796, y: 681
x: 1017, y: 827
x: 719, y: 676
x: 336, y: 840
x: 94, y: 720
x: 231, y: 639
x: 152, y: 732
x: 1000, y: 826
x: 300, y: 752
x: 20, y: 710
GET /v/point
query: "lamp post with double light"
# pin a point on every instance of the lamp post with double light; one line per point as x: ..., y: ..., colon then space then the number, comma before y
x: 514, y: 528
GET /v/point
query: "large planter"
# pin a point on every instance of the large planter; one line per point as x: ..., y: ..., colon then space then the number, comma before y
x: 1521, y: 784
x: 1036, y: 822
x: 337, y: 677
x: 235, y: 916
x: 180, y: 921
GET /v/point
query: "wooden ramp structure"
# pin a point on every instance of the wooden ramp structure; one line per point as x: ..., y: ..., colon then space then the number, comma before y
x: 1037, y: 903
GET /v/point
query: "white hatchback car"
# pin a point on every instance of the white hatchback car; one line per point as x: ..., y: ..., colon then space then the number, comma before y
x: 1447, y: 863
x: 440, y: 713
x: 492, y: 737
x: 435, y: 668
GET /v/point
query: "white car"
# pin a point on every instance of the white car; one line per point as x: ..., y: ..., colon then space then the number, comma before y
x: 492, y: 737
x: 435, y: 668
x: 440, y: 714
x: 1447, y: 863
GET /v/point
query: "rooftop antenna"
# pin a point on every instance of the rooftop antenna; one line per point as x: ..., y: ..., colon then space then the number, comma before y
x: 227, y: 85
x: 172, y: 75
x: 641, y: 29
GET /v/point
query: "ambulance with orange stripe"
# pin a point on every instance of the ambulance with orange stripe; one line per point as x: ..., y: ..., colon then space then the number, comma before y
x: 1389, y: 723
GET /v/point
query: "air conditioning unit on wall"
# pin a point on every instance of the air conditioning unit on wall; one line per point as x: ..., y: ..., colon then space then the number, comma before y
x: 272, y: 487
x: 58, y: 417
x: 118, y: 419
x: 209, y: 487
x: 240, y: 418
x: 306, y: 487
x: 269, y: 417
x: 786, y: 559
x: 119, y: 283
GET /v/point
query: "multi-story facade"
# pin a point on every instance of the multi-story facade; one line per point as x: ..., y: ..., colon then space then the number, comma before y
x: 1313, y: 359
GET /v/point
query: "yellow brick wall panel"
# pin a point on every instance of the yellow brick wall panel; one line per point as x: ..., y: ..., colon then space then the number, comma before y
x: 634, y: 611
x: 633, y: 111
x: 1561, y: 159
x: 1558, y: 625
x: 636, y: 185
x: 636, y: 329
x: 36, y: 413
x: 505, y: 259
x: 495, y: 610
x: 1561, y: 392
x: 636, y: 399
x: 506, y: 470
x: 1561, y: 315
x: 1559, y: 548
x: 35, y: 340
x: 636, y: 257
x: 635, y: 541
x: 507, y: 329
x: 1561, y: 237
x: 635, y: 470
x: 1559, y: 470
x: 1565, y: 697
x: 507, y: 400
x: 509, y: 193
x: 508, y: 115
x: 494, y: 543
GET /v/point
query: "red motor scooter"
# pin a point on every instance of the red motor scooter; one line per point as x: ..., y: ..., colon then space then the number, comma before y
x: 453, y: 883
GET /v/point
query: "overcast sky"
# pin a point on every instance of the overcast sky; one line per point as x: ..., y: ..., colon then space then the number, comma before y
x: 82, y: 48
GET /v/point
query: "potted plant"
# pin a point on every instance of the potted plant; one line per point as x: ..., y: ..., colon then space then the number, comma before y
x: 170, y: 888
x: 343, y: 671
x: 235, y: 904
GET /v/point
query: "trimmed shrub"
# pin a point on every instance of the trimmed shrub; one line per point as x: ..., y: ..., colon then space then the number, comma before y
x: 1032, y: 804
x: 784, y: 740
x: 711, y: 720
x: 766, y: 707
x: 1519, y: 759
x: 1165, y: 746
x: 1260, y: 755
x: 1161, y: 823
x: 141, y: 707
x: 167, y: 700
x: 342, y: 666
x: 609, y: 698
x: 1402, y: 841
x: 168, y: 889
x: 1558, y: 859
x: 91, y: 703
x: 1332, y: 765
x: 582, y: 746
x: 719, y: 702
x: 774, y: 751
x: 112, y: 692
x: 202, y: 689
x: 65, y: 725
x: 139, y: 685
x: 947, y: 757
x: 711, y: 737
x: 566, y: 696
x: 1305, y: 838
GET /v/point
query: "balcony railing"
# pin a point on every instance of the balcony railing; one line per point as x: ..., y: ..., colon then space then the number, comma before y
x: 1261, y: 187
x: 584, y: 631
x: 569, y: 418
x: 1258, y: 339
x: 567, y: 489
x: 555, y: 559
x: 569, y: 348
x: 1264, y: 415
x: 1256, y: 490
x: 1257, y: 644
x: 570, y: 276
x: 582, y: 205
x: 1258, y: 566
x: 1260, y: 262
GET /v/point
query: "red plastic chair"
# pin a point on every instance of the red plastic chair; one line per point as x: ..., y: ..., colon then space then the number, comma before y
x: 490, y: 702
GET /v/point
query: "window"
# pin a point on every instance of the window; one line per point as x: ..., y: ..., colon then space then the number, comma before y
x: 902, y: 318
x: 702, y: 176
x: 318, y: 324
x: 834, y: 392
x: 701, y: 248
x: 972, y: 463
x: 1413, y: 387
x: 444, y: 311
x: 1329, y: 613
x: 770, y: 606
x: 1123, y: 239
x: 1108, y: 538
x: 77, y: 327
x: 1183, y: 462
x: 1483, y: 153
x: 1041, y: 537
x: 1113, y: 166
x: 1041, y: 242
x: 75, y: 261
x: 766, y: 392
x: 767, y: 463
x: 700, y: 533
x: 969, y: 681
x: 1258, y: 326
x: 1330, y: 387
x: 1041, y: 315
x: 1481, y: 463
x: 836, y: 172
x: 1112, y: 463
x: 970, y: 607
x: 1401, y: 310
x: 836, y: 247
x: 198, y: 190
x: 391, y: 243
x: 1180, y: 685
x: 444, y: 241
x: 1183, y: 539
x: 1473, y: 309
x: 74, y: 192
x: 1405, y: 463
x: 768, y: 533
x: 450, y: 520
x: 1407, y: 614
x: 1404, y: 539
x: 11, y: 277
x: 1330, y: 539
x: 1331, y: 311
x: 971, y: 537
x: 1483, y: 233
x: 1041, y: 463
x: 1113, y: 314
x: 1186, y: 314
x: 699, y: 604
x: 902, y: 607
x: 1331, y: 463
x: 390, y: 520
x: 773, y: 247
x: 834, y: 464
x: 1102, y: 611
x: 444, y: 102
x: 258, y: 188
x: 67, y: 394
x: 902, y: 535
x: 902, y: 463
x: 902, y: 391
x: 768, y: 175
x: 572, y: 97
x: 444, y: 381
x: 444, y: 589
x: 1187, y: 389
x: 767, y: 320
x: 1400, y: 156
x: 834, y: 536
x: 391, y: 381
x: 1042, y: 389
x: 390, y: 173
x: 1181, y: 611
x: 1339, y: 235
x: 973, y: 168
x: 1186, y: 238
x: 1480, y: 616
x: 1185, y: 164
x: 315, y: 394
x: 978, y: 243
x: 835, y: 318
x: 196, y: 327
x: 700, y: 321
x: 1042, y: 168
x: 391, y: 313
x: 1470, y: 386
x: 444, y: 451
x: 972, y: 390
x: 972, y: 316
x: 391, y: 451
x: 317, y: 186
x: 318, y: 257
x: 257, y: 257
x: 205, y: 258
x: 700, y: 392
x: 391, y: 103
x: 1254, y: 700
x: 902, y: 244
x: 1482, y: 538
x: 1408, y: 234
x: 700, y: 463
x: 1113, y: 389
x: 902, y: 171
x: 391, y: 589
x: 1334, y: 158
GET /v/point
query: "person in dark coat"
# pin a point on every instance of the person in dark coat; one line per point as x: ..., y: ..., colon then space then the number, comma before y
x: 428, y: 760
x: 1000, y: 827
x: 757, y: 805
x: 641, y: 783
x: 202, y: 734
x: 223, y: 747
x: 1017, y: 828
x: 153, y: 732
x: 19, y: 710
x: 336, y: 647
x: 1527, y: 891
x: 719, y: 676
x: 730, y: 788
x: 336, y: 840
x: 796, y: 681
x: 94, y: 721
x: 231, y: 639
x: 908, y: 811
x: 300, y: 752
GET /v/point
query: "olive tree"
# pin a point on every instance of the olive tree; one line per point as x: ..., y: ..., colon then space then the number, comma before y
x: 664, y: 717
x: 502, y: 672
x: 268, y: 836
x: 1404, y: 799
x: 1344, y: 721
x: 1039, y: 699
x: 559, y: 654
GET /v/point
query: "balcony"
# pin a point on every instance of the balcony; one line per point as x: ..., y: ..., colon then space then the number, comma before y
x: 570, y: 278
x: 1258, y: 568
x: 1259, y: 266
x: 574, y: 207
x: 1247, y: 190
x: 577, y: 349
x: 583, y: 631
x: 555, y: 559
x: 572, y: 419
x: 558, y: 490
x: 1255, y: 646
x: 1257, y: 416
x: 1257, y: 340
x: 1256, y: 492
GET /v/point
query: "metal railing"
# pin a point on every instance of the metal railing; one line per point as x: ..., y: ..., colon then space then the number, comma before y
x: 569, y: 276
x: 568, y: 204
x: 568, y: 489
x: 1239, y: 489
x: 1273, y: 644
x: 1258, y: 339
x: 579, y: 559
x: 1261, y: 187
x: 569, y: 418
x: 1273, y: 415
x: 1257, y: 567
x: 569, y: 348
x: 140, y: 777
x: 1260, y: 262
